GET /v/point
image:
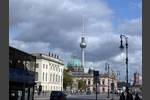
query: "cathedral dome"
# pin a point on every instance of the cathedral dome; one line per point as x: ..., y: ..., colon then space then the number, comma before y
x: 74, y: 63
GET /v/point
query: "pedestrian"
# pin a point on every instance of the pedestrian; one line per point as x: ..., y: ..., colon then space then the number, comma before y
x: 43, y: 92
x: 122, y: 96
x: 129, y: 95
x: 137, y: 97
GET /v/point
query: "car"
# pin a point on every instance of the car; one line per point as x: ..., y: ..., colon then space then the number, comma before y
x: 88, y: 92
x: 58, y: 95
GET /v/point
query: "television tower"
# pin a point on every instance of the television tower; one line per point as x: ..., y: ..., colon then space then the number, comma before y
x: 82, y: 44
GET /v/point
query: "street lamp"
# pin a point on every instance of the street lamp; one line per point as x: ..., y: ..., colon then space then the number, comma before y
x: 122, y: 47
x: 107, y: 68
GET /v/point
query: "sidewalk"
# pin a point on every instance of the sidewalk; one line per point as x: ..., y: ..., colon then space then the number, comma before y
x: 42, y: 97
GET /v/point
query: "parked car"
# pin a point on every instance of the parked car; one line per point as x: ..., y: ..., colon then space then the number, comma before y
x: 98, y: 92
x: 88, y: 92
x: 58, y: 95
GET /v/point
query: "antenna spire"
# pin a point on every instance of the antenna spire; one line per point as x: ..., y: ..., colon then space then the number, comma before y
x: 83, y: 26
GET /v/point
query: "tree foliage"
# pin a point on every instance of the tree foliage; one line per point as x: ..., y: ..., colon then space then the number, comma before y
x: 81, y: 85
x: 67, y: 81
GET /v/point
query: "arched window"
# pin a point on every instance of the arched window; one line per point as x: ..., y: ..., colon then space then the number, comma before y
x: 46, y: 77
x: 103, y: 89
x: 50, y: 78
x: 46, y: 66
x: 103, y: 81
x: 88, y: 81
x: 61, y: 79
x: 56, y: 78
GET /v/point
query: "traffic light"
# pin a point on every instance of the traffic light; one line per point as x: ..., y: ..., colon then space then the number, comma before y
x: 96, y: 77
x: 40, y: 88
x: 112, y: 86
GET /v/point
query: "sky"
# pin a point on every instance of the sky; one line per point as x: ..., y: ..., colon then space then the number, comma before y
x: 56, y: 26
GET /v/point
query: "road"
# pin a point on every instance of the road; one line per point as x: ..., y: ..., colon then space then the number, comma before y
x: 90, y: 97
x: 80, y: 97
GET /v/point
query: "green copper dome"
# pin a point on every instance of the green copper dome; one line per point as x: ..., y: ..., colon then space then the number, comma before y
x: 74, y: 63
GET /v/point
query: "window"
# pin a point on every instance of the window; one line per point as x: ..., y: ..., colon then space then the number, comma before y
x: 43, y: 76
x: 46, y: 66
x: 46, y: 77
x: 61, y: 79
x: 103, y: 82
x: 56, y: 78
x: 89, y: 82
x: 103, y: 89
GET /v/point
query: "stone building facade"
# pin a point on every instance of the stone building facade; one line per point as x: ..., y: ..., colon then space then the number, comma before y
x: 49, y: 70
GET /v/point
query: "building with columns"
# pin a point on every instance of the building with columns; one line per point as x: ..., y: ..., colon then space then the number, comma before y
x: 74, y: 65
x: 105, y: 80
x: 49, y: 70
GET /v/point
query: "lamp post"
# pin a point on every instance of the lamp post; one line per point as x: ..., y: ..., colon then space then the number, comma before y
x: 107, y: 68
x: 122, y: 47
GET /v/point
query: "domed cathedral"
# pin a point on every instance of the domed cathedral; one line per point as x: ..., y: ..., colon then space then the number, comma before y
x: 74, y: 64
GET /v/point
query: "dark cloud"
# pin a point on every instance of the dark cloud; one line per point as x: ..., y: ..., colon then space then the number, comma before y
x: 56, y: 26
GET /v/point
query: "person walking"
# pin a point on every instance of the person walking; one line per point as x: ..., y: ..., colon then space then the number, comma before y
x: 137, y: 97
x: 129, y: 95
x: 122, y: 96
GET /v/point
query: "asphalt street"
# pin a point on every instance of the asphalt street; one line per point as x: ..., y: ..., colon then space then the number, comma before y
x: 80, y: 97
x: 91, y: 97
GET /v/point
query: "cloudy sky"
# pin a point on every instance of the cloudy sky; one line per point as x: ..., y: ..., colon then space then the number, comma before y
x: 56, y: 26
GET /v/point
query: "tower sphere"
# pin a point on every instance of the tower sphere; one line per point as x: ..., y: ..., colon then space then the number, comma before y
x: 83, y: 45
